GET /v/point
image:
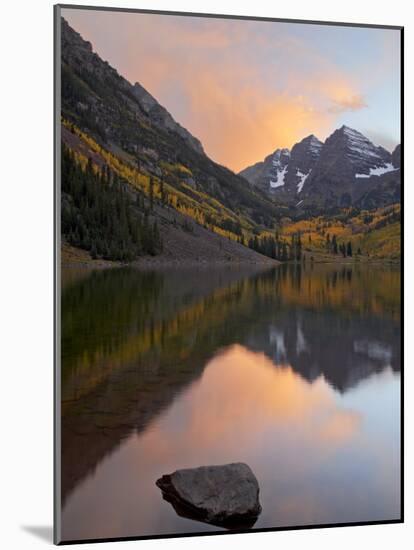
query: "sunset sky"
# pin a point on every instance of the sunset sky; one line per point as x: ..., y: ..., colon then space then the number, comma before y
x: 245, y: 88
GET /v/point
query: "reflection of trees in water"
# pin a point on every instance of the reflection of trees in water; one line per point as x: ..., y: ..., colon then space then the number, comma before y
x: 131, y: 340
x: 98, y: 310
x: 351, y: 289
x: 158, y: 349
x: 115, y: 317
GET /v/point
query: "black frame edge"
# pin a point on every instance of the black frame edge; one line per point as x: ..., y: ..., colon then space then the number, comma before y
x: 56, y: 276
x: 230, y: 16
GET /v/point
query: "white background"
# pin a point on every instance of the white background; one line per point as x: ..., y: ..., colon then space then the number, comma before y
x: 26, y: 247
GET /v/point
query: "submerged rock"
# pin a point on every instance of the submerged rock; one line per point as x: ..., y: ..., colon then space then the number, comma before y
x: 227, y: 495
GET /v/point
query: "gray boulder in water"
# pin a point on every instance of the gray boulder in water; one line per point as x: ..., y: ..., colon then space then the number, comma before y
x: 226, y: 495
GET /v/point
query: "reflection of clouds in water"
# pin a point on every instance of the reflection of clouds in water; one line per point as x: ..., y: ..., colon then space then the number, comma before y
x: 243, y: 394
x: 374, y: 350
x: 339, y: 427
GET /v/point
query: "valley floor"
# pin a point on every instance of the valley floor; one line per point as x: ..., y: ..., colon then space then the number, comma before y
x: 324, y: 258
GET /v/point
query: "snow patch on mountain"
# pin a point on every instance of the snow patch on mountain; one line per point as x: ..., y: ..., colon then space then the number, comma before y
x: 302, y: 179
x: 378, y: 171
x: 280, y: 178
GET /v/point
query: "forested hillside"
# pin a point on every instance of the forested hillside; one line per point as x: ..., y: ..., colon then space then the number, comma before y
x: 351, y: 233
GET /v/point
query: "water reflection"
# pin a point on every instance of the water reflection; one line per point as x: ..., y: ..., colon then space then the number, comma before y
x: 294, y: 371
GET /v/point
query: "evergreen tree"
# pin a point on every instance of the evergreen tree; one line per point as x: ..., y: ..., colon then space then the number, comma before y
x: 97, y: 214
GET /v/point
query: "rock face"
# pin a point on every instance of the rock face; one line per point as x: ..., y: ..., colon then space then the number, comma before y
x: 227, y: 495
x: 162, y: 118
x: 347, y: 153
x: 261, y: 174
x: 303, y: 158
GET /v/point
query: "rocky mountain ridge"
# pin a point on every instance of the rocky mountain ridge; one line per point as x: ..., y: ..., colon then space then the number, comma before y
x: 340, y: 172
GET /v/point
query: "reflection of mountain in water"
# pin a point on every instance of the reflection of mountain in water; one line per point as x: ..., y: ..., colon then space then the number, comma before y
x: 133, y: 341
x: 343, y: 350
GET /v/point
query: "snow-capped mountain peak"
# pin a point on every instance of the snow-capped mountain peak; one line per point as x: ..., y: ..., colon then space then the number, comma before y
x: 333, y: 173
x: 348, y: 152
x: 314, y: 144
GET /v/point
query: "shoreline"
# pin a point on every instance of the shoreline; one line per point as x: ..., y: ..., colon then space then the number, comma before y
x: 179, y: 264
x: 75, y: 257
x: 169, y: 264
x: 78, y: 258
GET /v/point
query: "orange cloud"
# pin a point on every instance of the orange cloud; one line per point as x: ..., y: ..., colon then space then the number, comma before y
x: 341, y: 95
x: 350, y: 103
x: 240, y: 127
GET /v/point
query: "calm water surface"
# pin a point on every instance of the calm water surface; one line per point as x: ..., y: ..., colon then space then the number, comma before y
x: 295, y: 371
